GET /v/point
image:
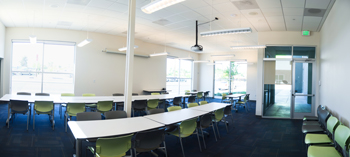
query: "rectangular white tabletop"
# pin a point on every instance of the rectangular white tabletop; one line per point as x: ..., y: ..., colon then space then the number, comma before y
x: 235, y: 95
x: 209, y: 107
x: 113, y: 127
x: 173, y: 117
x: 54, y: 98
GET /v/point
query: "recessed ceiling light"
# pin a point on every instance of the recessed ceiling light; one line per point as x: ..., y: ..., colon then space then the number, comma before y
x: 54, y: 6
x: 314, y: 11
x: 253, y: 13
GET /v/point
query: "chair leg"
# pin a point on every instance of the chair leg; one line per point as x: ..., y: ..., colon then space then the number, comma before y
x: 231, y: 117
x: 182, y: 148
x: 212, y: 125
x: 225, y: 124
x: 166, y: 152
x: 217, y: 129
x: 199, y: 142
x: 33, y: 120
x: 28, y: 120
x: 60, y: 111
x: 65, y: 122
x: 205, y: 147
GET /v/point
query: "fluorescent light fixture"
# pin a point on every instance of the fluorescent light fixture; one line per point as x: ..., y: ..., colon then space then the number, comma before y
x: 227, y: 31
x: 201, y: 61
x: 228, y: 55
x: 248, y: 47
x: 159, y: 54
x: 186, y: 58
x: 158, y: 5
x: 125, y: 48
x: 32, y: 39
x: 84, y: 42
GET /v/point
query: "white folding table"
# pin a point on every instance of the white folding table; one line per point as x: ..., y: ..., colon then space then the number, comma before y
x: 211, y: 107
x: 173, y: 117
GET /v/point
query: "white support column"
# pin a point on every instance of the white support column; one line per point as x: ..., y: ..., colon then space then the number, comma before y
x: 129, y: 58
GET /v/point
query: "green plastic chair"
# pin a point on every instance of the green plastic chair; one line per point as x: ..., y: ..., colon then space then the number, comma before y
x: 218, y: 115
x: 243, y: 103
x: 203, y: 102
x: 72, y: 110
x: 189, y: 105
x: 341, y: 136
x: 174, y: 108
x: 115, y: 146
x: 152, y: 104
x: 186, y: 92
x: 199, y: 96
x: 155, y: 93
x: 44, y: 107
x: 314, y: 139
x: 224, y: 99
x: 104, y: 106
x: 185, y: 129
x: 64, y: 105
x: 90, y: 95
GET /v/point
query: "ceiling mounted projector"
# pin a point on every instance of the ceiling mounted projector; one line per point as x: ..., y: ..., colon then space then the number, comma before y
x: 198, y: 48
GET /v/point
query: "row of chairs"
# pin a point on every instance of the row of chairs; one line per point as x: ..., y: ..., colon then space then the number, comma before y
x: 199, y: 95
x: 243, y: 102
x: 325, y: 135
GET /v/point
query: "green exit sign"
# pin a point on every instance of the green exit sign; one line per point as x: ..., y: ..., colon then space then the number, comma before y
x: 306, y: 33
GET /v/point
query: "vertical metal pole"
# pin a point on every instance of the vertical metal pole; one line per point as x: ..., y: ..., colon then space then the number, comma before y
x: 129, y: 58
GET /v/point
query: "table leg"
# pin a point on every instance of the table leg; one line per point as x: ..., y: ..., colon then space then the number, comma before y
x: 77, y: 148
x: 8, y: 113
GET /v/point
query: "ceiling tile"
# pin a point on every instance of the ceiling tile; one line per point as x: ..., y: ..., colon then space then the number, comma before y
x: 194, y: 4
x: 293, y: 3
x: 100, y: 3
x: 277, y: 26
x: 252, y: 13
x: 275, y: 19
x: 320, y: 4
x: 269, y: 3
x: 311, y: 23
x: 119, y: 7
x: 294, y: 23
x: 226, y: 7
x: 272, y: 12
x: 293, y: 11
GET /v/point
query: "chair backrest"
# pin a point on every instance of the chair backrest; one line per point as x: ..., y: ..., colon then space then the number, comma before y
x: 85, y: 116
x: 155, y: 111
x: 114, y: 146
x: 177, y: 100
x: 42, y: 94
x: 219, y: 114
x: 199, y: 94
x: 135, y: 94
x: 67, y: 94
x: 19, y: 106
x: 227, y: 110
x: 186, y: 92
x: 43, y: 106
x: 323, y: 116
x: 104, y: 106
x: 139, y: 104
x: 191, y: 99
x: 341, y: 136
x: 203, y: 102
x: 152, y: 103
x: 205, y: 120
x: 118, y: 94
x: 189, y: 105
x: 223, y: 96
x: 206, y: 94
x: 187, y: 127
x: 89, y: 94
x: 115, y: 114
x: 23, y: 93
x: 174, y: 108
x: 149, y: 140
x: 74, y: 108
x: 245, y: 98
x: 194, y: 90
x: 332, y: 124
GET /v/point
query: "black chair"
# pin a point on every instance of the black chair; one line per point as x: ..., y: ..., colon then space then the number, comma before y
x: 119, y: 104
x: 310, y: 120
x: 118, y: 94
x: 135, y: 94
x: 194, y: 90
x: 23, y: 93
x: 323, y: 116
x: 227, y: 112
x: 155, y: 111
x: 148, y: 141
x: 177, y: 101
x: 313, y: 118
x: 139, y: 105
x: 206, y: 96
x: 42, y: 94
x: 115, y: 114
x: 191, y: 99
x: 206, y: 122
x: 85, y: 116
x: 19, y: 107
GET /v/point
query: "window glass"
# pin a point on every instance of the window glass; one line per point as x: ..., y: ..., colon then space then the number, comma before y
x: 304, y: 52
x: 179, y: 76
x: 278, y: 52
x: 59, y: 58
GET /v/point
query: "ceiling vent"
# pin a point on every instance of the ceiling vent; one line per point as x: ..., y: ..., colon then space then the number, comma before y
x: 314, y: 12
x: 162, y: 22
x: 79, y: 2
x: 64, y: 23
x: 246, y: 4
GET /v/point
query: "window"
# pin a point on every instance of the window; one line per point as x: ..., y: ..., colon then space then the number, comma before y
x: 43, y: 67
x: 179, y: 76
x: 230, y: 77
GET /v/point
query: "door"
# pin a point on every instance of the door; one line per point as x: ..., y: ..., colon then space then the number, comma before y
x: 303, y: 96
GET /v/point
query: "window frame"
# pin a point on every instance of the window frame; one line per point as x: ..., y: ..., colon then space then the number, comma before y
x: 179, y: 74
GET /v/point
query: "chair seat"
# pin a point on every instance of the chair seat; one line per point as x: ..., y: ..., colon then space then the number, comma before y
x: 176, y: 133
x: 311, y: 128
x: 322, y: 151
x: 72, y: 114
x: 310, y: 118
x: 91, y: 105
x: 240, y: 102
x: 37, y: 112
x: 311, y: 123
x: 317, y: 139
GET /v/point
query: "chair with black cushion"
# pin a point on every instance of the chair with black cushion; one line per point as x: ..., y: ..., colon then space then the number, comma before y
x: 115, y: 114
x: 177, y: 101
x: 194, y: 90
x: 23, y: 93
x: 139, y: 106
x: 118, y: 104
x: 87, y: 116
x: 19, y: 107
x: 314, y: 118
x: 206, y: 96
x: 155, y: 111
x: 310, y: 120
x: 228, y: 112
x: 206, y: 122
x: 118, y: 94
x: 323, y: 116
x: 42, y: 94
x: 135, y: 94
x: 148, y: 141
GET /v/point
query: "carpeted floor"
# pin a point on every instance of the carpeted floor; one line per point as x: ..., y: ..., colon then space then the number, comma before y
x: 248, y: 135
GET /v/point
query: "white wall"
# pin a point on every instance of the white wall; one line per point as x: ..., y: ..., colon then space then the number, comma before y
x: 108, y: 70
x: 2, y: 39
x: 206, y: 72
x: 284, y: 38
x: 335, y: 56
